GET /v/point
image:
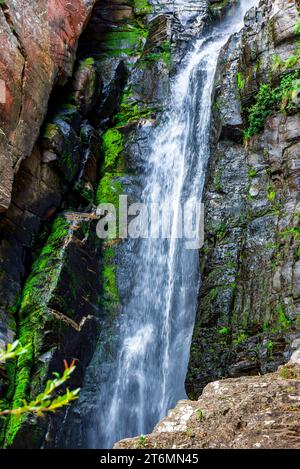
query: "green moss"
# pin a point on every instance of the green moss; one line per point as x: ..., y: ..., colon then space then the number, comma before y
x: 142, y: 7
x: 239, y: 337
x: 129, y: 35
x: 109, y: 254
x: 261, y: 110
x: 120, y: 40
x: 125, y: 41
x: 269, y: 347
x: 297, y: 322
x: 21, y: 391
x: 277, y: 62
x: 271, y: 194
x: 290, y: 62
x: 289, y: 372
x: 221, y: 231
x: 110, y: 287
x: 110, y: 298
x: 282, y: 318
x: 68, y: 162
x: 217, y: 182
x: 33, y: 315
x: 218, y: 6
x: 265, y: 326
x: 132, y: 113
x: 86, y: 63
x: 268, y: 100
x: 90, y: 65
x: 200, y: 415
x: 293, y: 232
x: 112, y: 146
x: 130, y: 110
x: 240, y: 81
x: 109, y: 190
x: 213, y: 294
x: 42, y: 269
x: 224, y: 331
x: 288, y: 85
x: 85, y: 191
x: 50, y: 131
x: 252, y: 173
x: 163, y: 53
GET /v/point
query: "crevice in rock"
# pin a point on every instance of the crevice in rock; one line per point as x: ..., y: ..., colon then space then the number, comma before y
x: 5, y: 8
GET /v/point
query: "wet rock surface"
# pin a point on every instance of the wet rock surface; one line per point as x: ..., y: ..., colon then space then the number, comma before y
x: 248, y: 314
x: 61, y: 174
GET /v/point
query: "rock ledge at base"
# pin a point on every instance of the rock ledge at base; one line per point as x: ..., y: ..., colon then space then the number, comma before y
x: 247, y: 413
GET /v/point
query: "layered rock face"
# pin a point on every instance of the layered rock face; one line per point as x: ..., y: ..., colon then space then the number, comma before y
x: 38, y: 46
x: 248, y: 317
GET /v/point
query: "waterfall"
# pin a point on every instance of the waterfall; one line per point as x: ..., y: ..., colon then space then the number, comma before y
x: 157, y: 322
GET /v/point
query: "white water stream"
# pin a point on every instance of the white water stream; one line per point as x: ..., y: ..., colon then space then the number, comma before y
x: 157, y: 321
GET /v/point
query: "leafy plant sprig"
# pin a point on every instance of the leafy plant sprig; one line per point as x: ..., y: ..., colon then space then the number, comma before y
x: 46, y: 401
x: 12, y: 350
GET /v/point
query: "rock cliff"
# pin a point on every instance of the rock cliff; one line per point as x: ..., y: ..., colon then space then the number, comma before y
x: 71, y: 138
x: 248, y: 314
x: 38, y: 47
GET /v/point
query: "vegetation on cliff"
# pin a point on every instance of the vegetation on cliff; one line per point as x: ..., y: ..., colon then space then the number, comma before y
x: 45, y: 401
x: 270, y: 99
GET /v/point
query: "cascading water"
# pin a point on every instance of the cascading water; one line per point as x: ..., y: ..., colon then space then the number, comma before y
x: 157, y: 322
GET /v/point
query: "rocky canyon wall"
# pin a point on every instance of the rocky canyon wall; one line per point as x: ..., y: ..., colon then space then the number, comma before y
x: 248, y: 316
x: 59, y: 285
x: 71, y: 138
x: 38, y: 47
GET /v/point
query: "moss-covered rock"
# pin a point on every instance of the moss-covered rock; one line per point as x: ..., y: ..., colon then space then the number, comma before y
x: 112, y: 147
x: 59, y: 298
x: 142, y: 7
